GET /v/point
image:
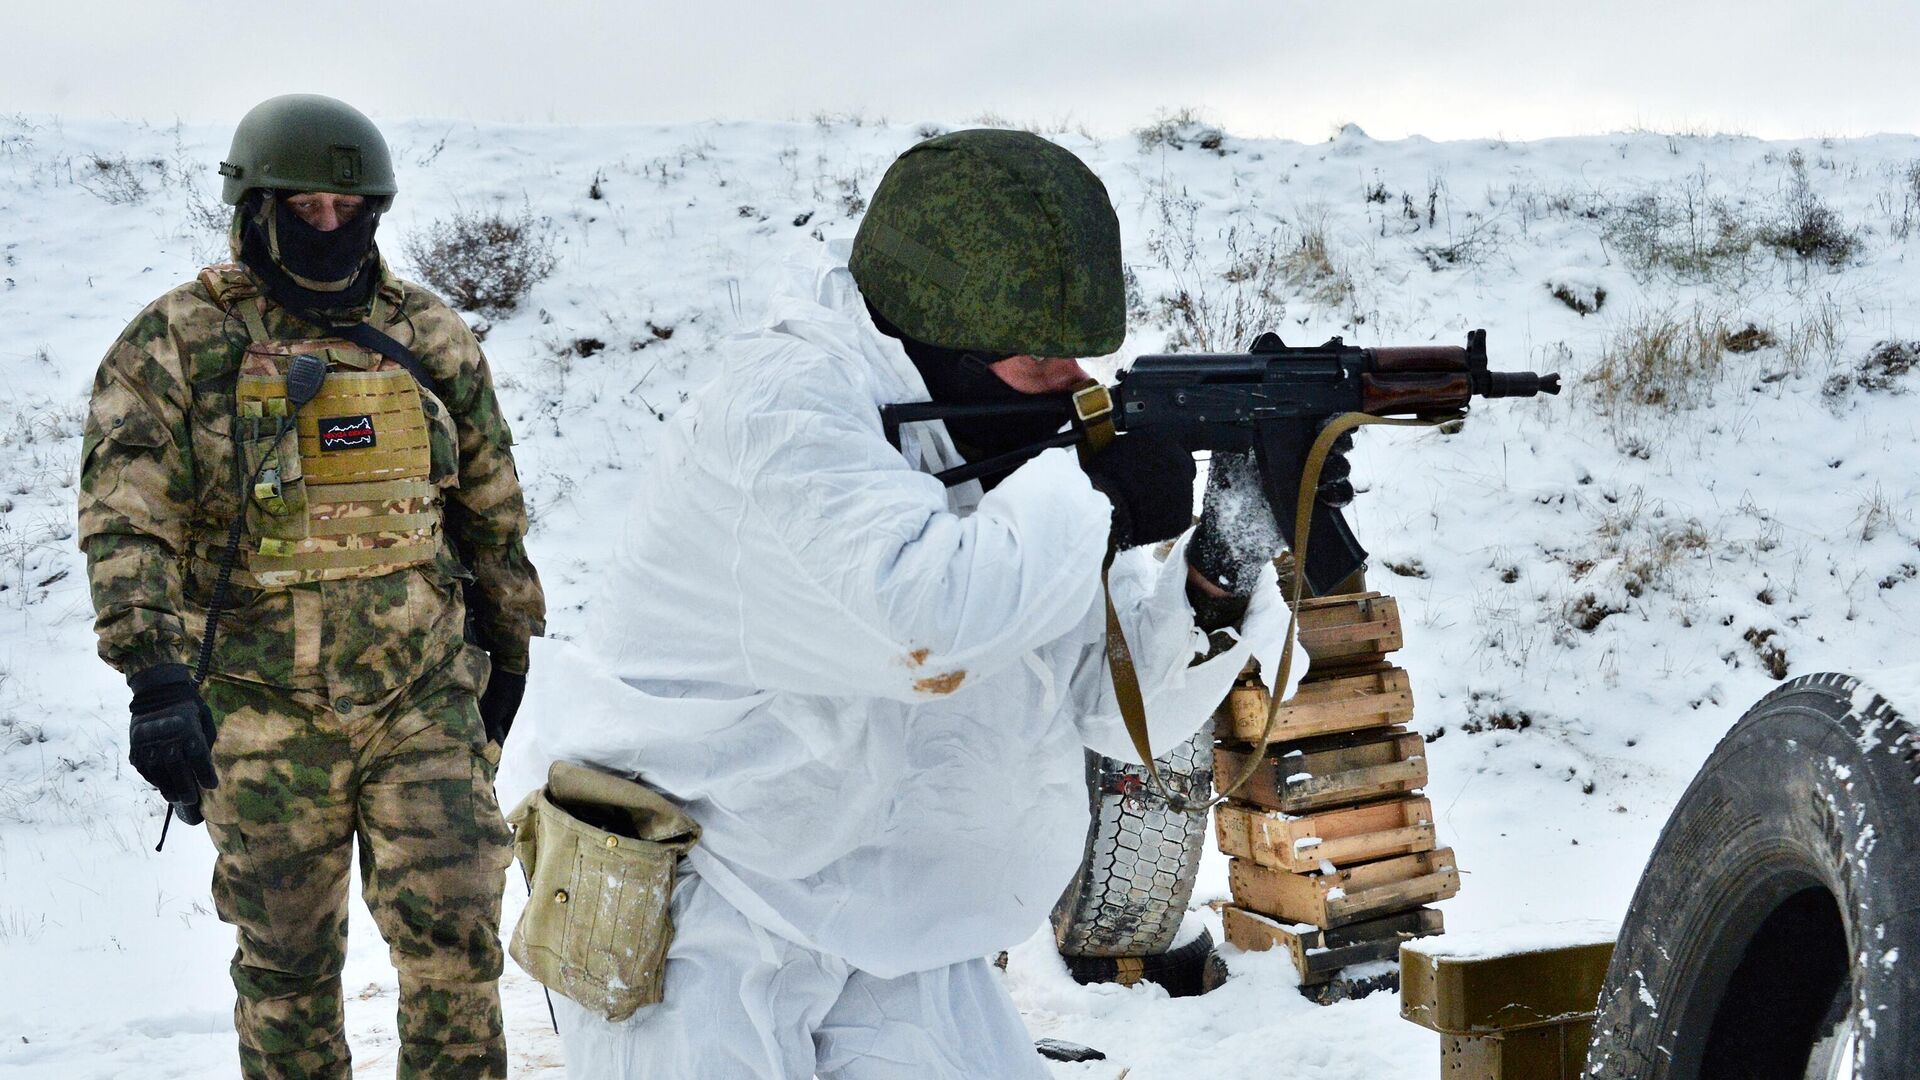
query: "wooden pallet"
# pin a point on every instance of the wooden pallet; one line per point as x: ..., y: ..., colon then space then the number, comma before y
x: 1305, y: 844
x: 1322, y: 706
x: 1367, y: 891
x: 1320, y: 955
x: 1328, y: 772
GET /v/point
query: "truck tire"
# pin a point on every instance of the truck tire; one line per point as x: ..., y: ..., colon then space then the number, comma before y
x: 1776, y: 932
x: 1187, y: 970
x: 1136, y: 877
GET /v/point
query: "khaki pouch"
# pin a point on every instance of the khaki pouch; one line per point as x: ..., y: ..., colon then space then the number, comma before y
x: 599, y: 853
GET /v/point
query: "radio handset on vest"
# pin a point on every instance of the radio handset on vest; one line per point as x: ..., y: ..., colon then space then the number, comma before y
x: 305, y: 375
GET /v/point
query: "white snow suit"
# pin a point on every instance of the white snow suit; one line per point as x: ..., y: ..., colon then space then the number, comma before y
x: 872, y: 692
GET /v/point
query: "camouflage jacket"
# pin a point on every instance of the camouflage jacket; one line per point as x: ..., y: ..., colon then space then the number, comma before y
x: 159, y: 489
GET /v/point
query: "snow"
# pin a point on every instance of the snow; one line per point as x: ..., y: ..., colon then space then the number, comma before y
x: 1899, y: 685
x: 1592, y: 589
x: 1490, y: 941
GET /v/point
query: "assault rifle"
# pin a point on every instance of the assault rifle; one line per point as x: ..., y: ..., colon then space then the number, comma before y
x: 1271, y: 401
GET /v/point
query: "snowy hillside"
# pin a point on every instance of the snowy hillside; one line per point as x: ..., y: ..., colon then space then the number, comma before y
x: 1593, y: 586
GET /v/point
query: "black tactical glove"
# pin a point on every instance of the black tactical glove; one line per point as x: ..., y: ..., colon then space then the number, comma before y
x: 1149, y: 480
x: 500, y: 701
x: 172, y: 733
x: 1336, y: 483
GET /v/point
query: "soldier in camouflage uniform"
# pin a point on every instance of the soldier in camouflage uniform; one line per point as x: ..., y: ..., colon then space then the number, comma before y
x: 345, y: 704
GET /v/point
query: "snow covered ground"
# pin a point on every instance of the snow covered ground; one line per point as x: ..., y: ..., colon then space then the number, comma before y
x: 1593, y: 586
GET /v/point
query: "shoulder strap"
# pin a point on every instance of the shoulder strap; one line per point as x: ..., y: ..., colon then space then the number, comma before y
x: 234, y: 290
x: 236, y: 294
x: 367, y: 336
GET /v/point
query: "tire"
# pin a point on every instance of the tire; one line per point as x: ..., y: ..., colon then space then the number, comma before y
x: 1761, y: 943
x: 1187, y: 971
x: 1135, y: 879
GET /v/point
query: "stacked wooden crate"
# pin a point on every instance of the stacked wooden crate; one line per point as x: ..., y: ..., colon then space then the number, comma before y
x: 1333, y: 847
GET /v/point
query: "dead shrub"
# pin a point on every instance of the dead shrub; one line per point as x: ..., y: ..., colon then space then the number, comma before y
x: 1807, y: 227
x: 1479, y: 241
x: 1690, y: 233
x: 1180, y: 129
x: 485, y: 262
x: 1884, y: 370
x: 1773, y: 655
x: 1588, y: 611
x: 1583, y: 300
x: 116, y: 180
x: 1751, y: 338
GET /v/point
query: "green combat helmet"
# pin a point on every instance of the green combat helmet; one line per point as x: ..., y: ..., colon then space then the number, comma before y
x: 306, y: 142
x: 995, y: 242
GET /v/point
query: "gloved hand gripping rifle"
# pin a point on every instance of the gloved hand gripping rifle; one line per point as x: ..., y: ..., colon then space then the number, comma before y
x: 1285, y: 406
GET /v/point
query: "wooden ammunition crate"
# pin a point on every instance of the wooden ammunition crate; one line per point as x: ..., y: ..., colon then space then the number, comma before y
x: 1319, y: 955
x: 1300, y: 844
x: 1325, y: 706
x: 1553, y: 1052
x: 1356, y: 628
x: 1507, y: 1013
x: 1367, y: 891
x: 1468, y: 989
x: 1335, y: 770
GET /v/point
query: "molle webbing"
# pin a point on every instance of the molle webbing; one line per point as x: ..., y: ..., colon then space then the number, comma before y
x: 363, y: 460
x: 392, y: 400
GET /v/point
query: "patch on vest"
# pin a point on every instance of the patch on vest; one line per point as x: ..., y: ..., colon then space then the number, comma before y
x: 346, y: 432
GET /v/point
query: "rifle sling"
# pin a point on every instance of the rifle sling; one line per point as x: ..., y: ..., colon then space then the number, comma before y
x: 1126, y: 679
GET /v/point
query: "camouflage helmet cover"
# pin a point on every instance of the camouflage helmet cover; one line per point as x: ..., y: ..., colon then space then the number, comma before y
x: 996, y: 242
x: 306, y: 142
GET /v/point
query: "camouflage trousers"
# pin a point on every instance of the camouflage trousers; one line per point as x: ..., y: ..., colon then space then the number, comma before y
x: 404, y: 774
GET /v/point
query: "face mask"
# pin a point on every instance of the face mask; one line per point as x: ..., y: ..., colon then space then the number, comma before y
x: 321, y: 261
x: 957, y: 377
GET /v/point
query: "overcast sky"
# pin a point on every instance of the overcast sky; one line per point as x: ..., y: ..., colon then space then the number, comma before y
x: 1440, y: 68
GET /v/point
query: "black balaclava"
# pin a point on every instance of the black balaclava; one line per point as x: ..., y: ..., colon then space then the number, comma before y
x: 304, y: 268
x: 959, y: 377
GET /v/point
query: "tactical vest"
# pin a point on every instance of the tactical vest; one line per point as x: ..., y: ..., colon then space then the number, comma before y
x: 351, y: 490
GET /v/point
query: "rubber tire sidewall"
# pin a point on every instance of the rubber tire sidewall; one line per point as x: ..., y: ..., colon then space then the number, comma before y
x: 1803, y: 790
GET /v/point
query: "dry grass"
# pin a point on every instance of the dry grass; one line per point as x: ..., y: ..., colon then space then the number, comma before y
x: 1660, y: 360
x: 1211, y: 307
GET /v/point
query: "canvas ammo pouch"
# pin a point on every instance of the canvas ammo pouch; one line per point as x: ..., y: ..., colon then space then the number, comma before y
x: 599, y: 853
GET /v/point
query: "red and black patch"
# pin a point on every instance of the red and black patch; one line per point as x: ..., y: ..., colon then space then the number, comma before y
x: 346, y: 432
